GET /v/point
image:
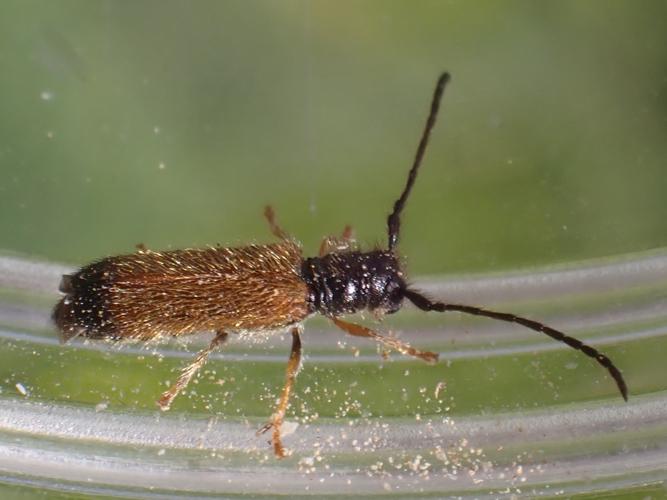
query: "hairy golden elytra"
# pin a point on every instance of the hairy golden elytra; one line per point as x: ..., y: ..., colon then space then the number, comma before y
x: 147, y: 294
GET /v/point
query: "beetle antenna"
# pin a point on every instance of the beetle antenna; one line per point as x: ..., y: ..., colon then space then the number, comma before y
x: 427, y: 305
x: 394, y: 220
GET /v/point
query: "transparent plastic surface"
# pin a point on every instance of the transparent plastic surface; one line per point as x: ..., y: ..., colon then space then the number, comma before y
x: 505, y: 411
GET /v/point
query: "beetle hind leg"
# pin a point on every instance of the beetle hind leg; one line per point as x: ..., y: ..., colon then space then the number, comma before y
x: 189, y: 371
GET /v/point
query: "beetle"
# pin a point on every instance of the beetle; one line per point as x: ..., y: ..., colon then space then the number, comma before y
x: 261, y: 288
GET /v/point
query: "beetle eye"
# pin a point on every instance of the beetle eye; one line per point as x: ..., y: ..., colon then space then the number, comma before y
x: 393, y: 296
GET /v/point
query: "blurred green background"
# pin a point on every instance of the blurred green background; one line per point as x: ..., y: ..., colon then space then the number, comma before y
x: 173, y: 123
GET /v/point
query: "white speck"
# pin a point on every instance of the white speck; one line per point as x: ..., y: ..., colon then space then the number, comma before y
x: 101, y: 406
x: 161, y: 452
x: 46, y: 95
x: 289, y: 428
x: 564, y: 227
x: 21, y: 388
x: 50, y: 134
x: 161, y: 165
x: 157, y: 130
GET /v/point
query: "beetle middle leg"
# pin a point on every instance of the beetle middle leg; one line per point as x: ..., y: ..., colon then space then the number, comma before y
x: 189, y: 371
x: 293, y: 366
x: 270, y: 216
x: 392, y: 343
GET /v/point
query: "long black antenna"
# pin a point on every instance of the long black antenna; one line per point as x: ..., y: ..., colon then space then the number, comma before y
x: 394, y: 220
x: 427, y: 305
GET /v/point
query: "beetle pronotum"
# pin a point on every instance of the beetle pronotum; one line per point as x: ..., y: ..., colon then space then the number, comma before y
x: 148, y: 294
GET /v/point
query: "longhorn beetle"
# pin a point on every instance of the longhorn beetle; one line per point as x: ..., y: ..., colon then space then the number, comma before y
x: 147, y: 294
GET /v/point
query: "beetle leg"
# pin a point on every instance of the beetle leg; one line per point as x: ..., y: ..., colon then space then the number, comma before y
x: 344, y: 243
x: 276, y: 422
x: 393, y: 343
x: 273, y: 225
x: 189, y: 371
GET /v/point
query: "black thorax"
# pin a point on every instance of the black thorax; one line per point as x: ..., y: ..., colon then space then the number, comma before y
x: 344, y: 283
